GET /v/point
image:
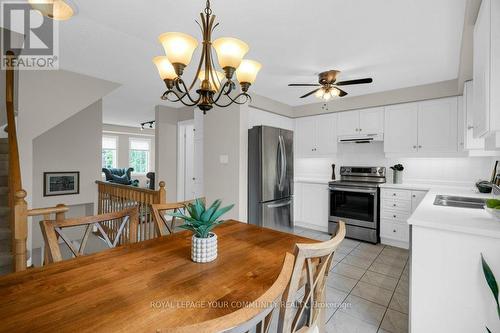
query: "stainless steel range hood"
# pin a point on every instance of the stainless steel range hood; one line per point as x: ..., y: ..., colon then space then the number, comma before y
x: 360, y: 138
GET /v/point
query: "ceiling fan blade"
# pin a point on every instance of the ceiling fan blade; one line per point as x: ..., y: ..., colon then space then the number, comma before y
x: 341, y: 92
x: 304, y: 85
x: 310, y: 93
x: 358, y: 81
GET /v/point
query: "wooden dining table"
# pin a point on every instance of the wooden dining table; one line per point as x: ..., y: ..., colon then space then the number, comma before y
x: 149, y: 286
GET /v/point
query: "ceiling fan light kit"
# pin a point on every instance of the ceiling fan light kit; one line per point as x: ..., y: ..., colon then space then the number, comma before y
x: 328, y: 85
x: 59, y: 10
x: 215, y: 87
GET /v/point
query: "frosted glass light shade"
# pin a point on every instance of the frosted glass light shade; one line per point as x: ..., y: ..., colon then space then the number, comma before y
x: 247, y: 71
x: 59, y: 10
x: 165, y: 68
x: 230, y: 51
x: 215, y: 84
x: 179, y: 47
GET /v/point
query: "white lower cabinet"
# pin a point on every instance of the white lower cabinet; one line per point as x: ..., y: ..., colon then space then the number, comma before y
x: 396, y: 206
x: 311, y: 205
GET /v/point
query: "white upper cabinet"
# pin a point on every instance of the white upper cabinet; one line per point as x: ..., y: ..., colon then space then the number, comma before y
x: 470, y: 143
x: 317, y: 135
x: 348, y: 123
x: 438, y: 125
x: 422, y: 127
x: 366, y: 121
x: 401, y: 128
x: 371, y: 121
x: 486, y: 67
x: 305, y: 136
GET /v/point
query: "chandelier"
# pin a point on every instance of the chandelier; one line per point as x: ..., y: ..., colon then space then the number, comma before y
x: 216, y: 87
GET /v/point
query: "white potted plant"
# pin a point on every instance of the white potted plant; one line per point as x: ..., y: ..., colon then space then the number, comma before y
x: 201, y: 221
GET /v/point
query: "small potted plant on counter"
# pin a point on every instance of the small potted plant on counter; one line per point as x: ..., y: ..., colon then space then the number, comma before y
x: 201, y: 220
x: 397, y: 176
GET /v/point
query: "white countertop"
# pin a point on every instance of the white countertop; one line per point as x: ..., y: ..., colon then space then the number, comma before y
x: 312, y: 180
x: 465, y: 220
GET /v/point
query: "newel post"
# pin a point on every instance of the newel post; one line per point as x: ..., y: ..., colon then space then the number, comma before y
x: 162, y: 193
x: 20, y: 232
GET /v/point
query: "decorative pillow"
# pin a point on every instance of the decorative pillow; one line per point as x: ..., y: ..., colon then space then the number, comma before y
x: 120, y: 179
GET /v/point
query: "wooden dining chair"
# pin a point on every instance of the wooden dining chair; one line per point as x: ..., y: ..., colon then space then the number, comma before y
x: 254, y: 317
x: 312, y: 264
x: 126, y: 231
x: 163, y: 225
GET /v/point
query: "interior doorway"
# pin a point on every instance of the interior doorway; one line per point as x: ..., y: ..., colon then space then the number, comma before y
x: 185, y: 171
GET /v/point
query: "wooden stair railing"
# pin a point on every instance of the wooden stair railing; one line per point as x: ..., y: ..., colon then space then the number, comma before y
x: 17, y: 203
x: 114, y: 197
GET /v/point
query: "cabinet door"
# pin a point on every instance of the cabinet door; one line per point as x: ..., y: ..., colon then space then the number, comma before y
x: 371, y: 121
x: 437, y: 125
x: 305, y: 136
x: 481, y: 70
x: 468, y: 105
x: 315, y: 205
x: 400, y: 126
x: 348, y: 123
x: 326, y: 126
x: 416, y: 199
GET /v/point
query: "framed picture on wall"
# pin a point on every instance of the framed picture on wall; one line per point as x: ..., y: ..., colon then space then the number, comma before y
x: 61, y: 183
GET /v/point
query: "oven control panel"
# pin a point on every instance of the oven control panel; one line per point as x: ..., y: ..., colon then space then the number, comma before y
x: 362, y: 171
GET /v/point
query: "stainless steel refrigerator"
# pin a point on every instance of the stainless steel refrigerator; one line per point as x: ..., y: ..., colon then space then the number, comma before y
x: 270, y: 177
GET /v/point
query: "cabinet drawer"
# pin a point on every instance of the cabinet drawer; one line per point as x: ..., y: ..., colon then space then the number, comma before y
x: 394, y: 230
x: 396, y: 194
x: 395, y: 216
x: 399, y: 205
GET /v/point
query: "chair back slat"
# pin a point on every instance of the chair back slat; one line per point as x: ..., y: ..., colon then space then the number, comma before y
x: 312, y: 264
x: 163, y: 226
x: 126, y: 231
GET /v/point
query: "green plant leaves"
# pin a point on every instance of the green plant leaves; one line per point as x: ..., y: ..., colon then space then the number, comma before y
x: 492, y: 282
x: 200, y: 220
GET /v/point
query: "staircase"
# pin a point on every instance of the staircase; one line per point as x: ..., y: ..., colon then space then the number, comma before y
x: 5, y: 233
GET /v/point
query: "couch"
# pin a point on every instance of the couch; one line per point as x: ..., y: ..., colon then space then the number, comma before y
x: 120, y: 176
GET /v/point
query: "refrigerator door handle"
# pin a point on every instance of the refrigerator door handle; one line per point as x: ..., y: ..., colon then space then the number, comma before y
x: 281, y: 204
x: 279, y: 163
x: 282, y: 157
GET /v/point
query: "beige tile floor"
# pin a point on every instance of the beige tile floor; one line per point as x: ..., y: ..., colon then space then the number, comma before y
x: 367, y: 287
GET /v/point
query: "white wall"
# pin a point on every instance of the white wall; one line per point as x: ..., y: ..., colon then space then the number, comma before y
x: 123, y: 135
x: 73, y: 145
x: 447, y: 171
x: 258, y: 117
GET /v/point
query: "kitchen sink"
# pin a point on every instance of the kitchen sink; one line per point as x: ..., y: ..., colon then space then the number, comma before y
x: 462, y: 202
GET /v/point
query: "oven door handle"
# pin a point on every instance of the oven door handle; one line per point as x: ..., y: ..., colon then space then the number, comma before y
x: 355, y: 190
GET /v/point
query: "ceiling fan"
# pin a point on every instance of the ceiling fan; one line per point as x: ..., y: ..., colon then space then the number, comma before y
x: 328, y: 85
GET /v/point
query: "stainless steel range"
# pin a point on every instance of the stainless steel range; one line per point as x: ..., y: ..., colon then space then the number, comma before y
x: 355, y: 199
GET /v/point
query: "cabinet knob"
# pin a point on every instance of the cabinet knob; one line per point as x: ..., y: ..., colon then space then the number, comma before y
x: 419, y: 146
x: 470, y: 127
x: 360, y: 129
x: 394, y: 216
x: 394, y: 205
x: 394, y: 194
x: 414, y: 147
x: 414, y: 196
x: 394, y: 230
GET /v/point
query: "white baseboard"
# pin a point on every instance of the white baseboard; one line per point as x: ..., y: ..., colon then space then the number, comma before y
x: 394, y: 242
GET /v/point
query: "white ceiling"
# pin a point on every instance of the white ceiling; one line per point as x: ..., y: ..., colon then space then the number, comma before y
x: 400, y: 43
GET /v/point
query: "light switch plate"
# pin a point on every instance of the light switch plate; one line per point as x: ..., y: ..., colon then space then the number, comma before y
x: 223, y: 159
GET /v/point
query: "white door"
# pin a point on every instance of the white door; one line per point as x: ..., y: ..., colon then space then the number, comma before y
x: 400, y: 127
x: 437, y: 125
x: 198, y: 155
x: 481, y: 70
x: 371, y: 121
x: 305, y: 136
x: 186, y: 179
x: 326, y: 126
x: 348, y: 123
x: 468, y: 104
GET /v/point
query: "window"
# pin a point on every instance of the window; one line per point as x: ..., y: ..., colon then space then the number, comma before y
x: 139, y: 150
x: 109, y: 151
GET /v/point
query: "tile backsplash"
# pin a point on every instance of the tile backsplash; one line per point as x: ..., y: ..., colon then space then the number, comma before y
x: 461, y: 171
